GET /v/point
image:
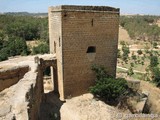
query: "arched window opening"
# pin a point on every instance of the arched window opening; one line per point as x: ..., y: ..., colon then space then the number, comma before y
x: 47, y: 83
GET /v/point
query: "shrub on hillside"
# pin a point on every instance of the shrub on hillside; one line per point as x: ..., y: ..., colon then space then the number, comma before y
x: 126, y: 51
x: 156, y: 76
x: 41, y: 49
x: 141, y: 27
x: 139, y: 52
x: 155, y: 45
x: 3, y: 55
x: 153, y: 61
x: 130, y: 71
x: 110, y: 88
x: 13, y: 46
x: 107, y: 87
x: 17, y: 46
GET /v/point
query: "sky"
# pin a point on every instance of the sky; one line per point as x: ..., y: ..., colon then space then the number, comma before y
x: 149, y: 7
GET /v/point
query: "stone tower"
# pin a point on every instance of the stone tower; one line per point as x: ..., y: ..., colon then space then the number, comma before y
x: 81, y: 36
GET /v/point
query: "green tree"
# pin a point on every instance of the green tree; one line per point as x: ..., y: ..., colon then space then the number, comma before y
x: 2, y: 39
x: 156, y: 76
x: 130, y: 71
x: 139, y: 27
x: 155, y: 45
x: 16, y: 46
x: 126, y: 51
x: 15, y: 30
x: 139, y: 52
x: 106, y: 87
x: 119, y: 53
x: 134, y: 57
x: 100, y: 72
x: 3, y: 54
x: 132, y: 64
x: 153, y: 61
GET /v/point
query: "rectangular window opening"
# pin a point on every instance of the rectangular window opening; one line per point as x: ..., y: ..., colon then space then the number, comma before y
x: 91, y: 49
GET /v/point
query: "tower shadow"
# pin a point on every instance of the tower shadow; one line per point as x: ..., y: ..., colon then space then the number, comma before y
x: 50, y: 106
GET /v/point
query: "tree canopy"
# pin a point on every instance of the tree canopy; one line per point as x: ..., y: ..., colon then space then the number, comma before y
x: 141, y: 27
x: 16, y: 30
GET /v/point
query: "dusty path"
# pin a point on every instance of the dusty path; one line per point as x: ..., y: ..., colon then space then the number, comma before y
x: 136, y: 71
x: 123, y: 35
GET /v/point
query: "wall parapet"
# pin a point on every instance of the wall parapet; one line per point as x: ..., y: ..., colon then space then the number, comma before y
x: 21, y: 100
x: 11, y: 76
x: 84, y: 8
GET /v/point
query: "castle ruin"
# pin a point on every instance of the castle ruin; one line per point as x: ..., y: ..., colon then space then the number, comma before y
x: 81, y: 36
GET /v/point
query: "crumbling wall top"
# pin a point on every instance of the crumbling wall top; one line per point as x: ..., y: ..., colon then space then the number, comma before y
x: 83, y: 8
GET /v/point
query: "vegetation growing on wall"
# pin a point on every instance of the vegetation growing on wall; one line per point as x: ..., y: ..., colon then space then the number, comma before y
x: 107, y: 87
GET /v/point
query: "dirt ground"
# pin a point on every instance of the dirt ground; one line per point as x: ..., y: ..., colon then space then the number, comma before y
x: 154, y: 96
x: 123, y: 35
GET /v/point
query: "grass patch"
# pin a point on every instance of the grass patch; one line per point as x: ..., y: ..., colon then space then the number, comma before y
x: 139, y: 76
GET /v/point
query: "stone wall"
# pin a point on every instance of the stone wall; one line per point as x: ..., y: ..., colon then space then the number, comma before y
x: 55, y: 36
x: 11, y: 76
x: 21, y: 100
x: 34, y: 96
x: 76, y: 29
x: 134, y: 85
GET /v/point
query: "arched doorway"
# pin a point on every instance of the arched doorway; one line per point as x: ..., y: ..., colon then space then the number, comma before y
x: 50, y: 83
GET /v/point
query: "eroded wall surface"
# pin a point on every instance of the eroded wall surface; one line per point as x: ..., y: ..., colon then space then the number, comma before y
x: 10, y: 76
x: 22, y: 99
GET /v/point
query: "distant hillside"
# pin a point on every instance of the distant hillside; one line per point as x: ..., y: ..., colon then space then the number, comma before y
x: 27, y: 14
x: 141, y: 27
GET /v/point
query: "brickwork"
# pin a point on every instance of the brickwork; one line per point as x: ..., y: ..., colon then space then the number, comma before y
x: 76, y: 29
x: 55, y: 35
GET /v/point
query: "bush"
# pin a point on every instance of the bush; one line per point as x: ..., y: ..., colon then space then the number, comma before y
x: 130, y: 71
x: 156, y: 76
x: 139, y: 52
x: 126, y: 51
x: 155, y: 45
x: 134, y: 57
x: 119, y: 53
x: 3, y: 55
x: 108, y: 87
x: 153, y: 61
x: 132, y: 64
x: 41, y: 49
x: 17, y: 46
x: 13, y: 46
